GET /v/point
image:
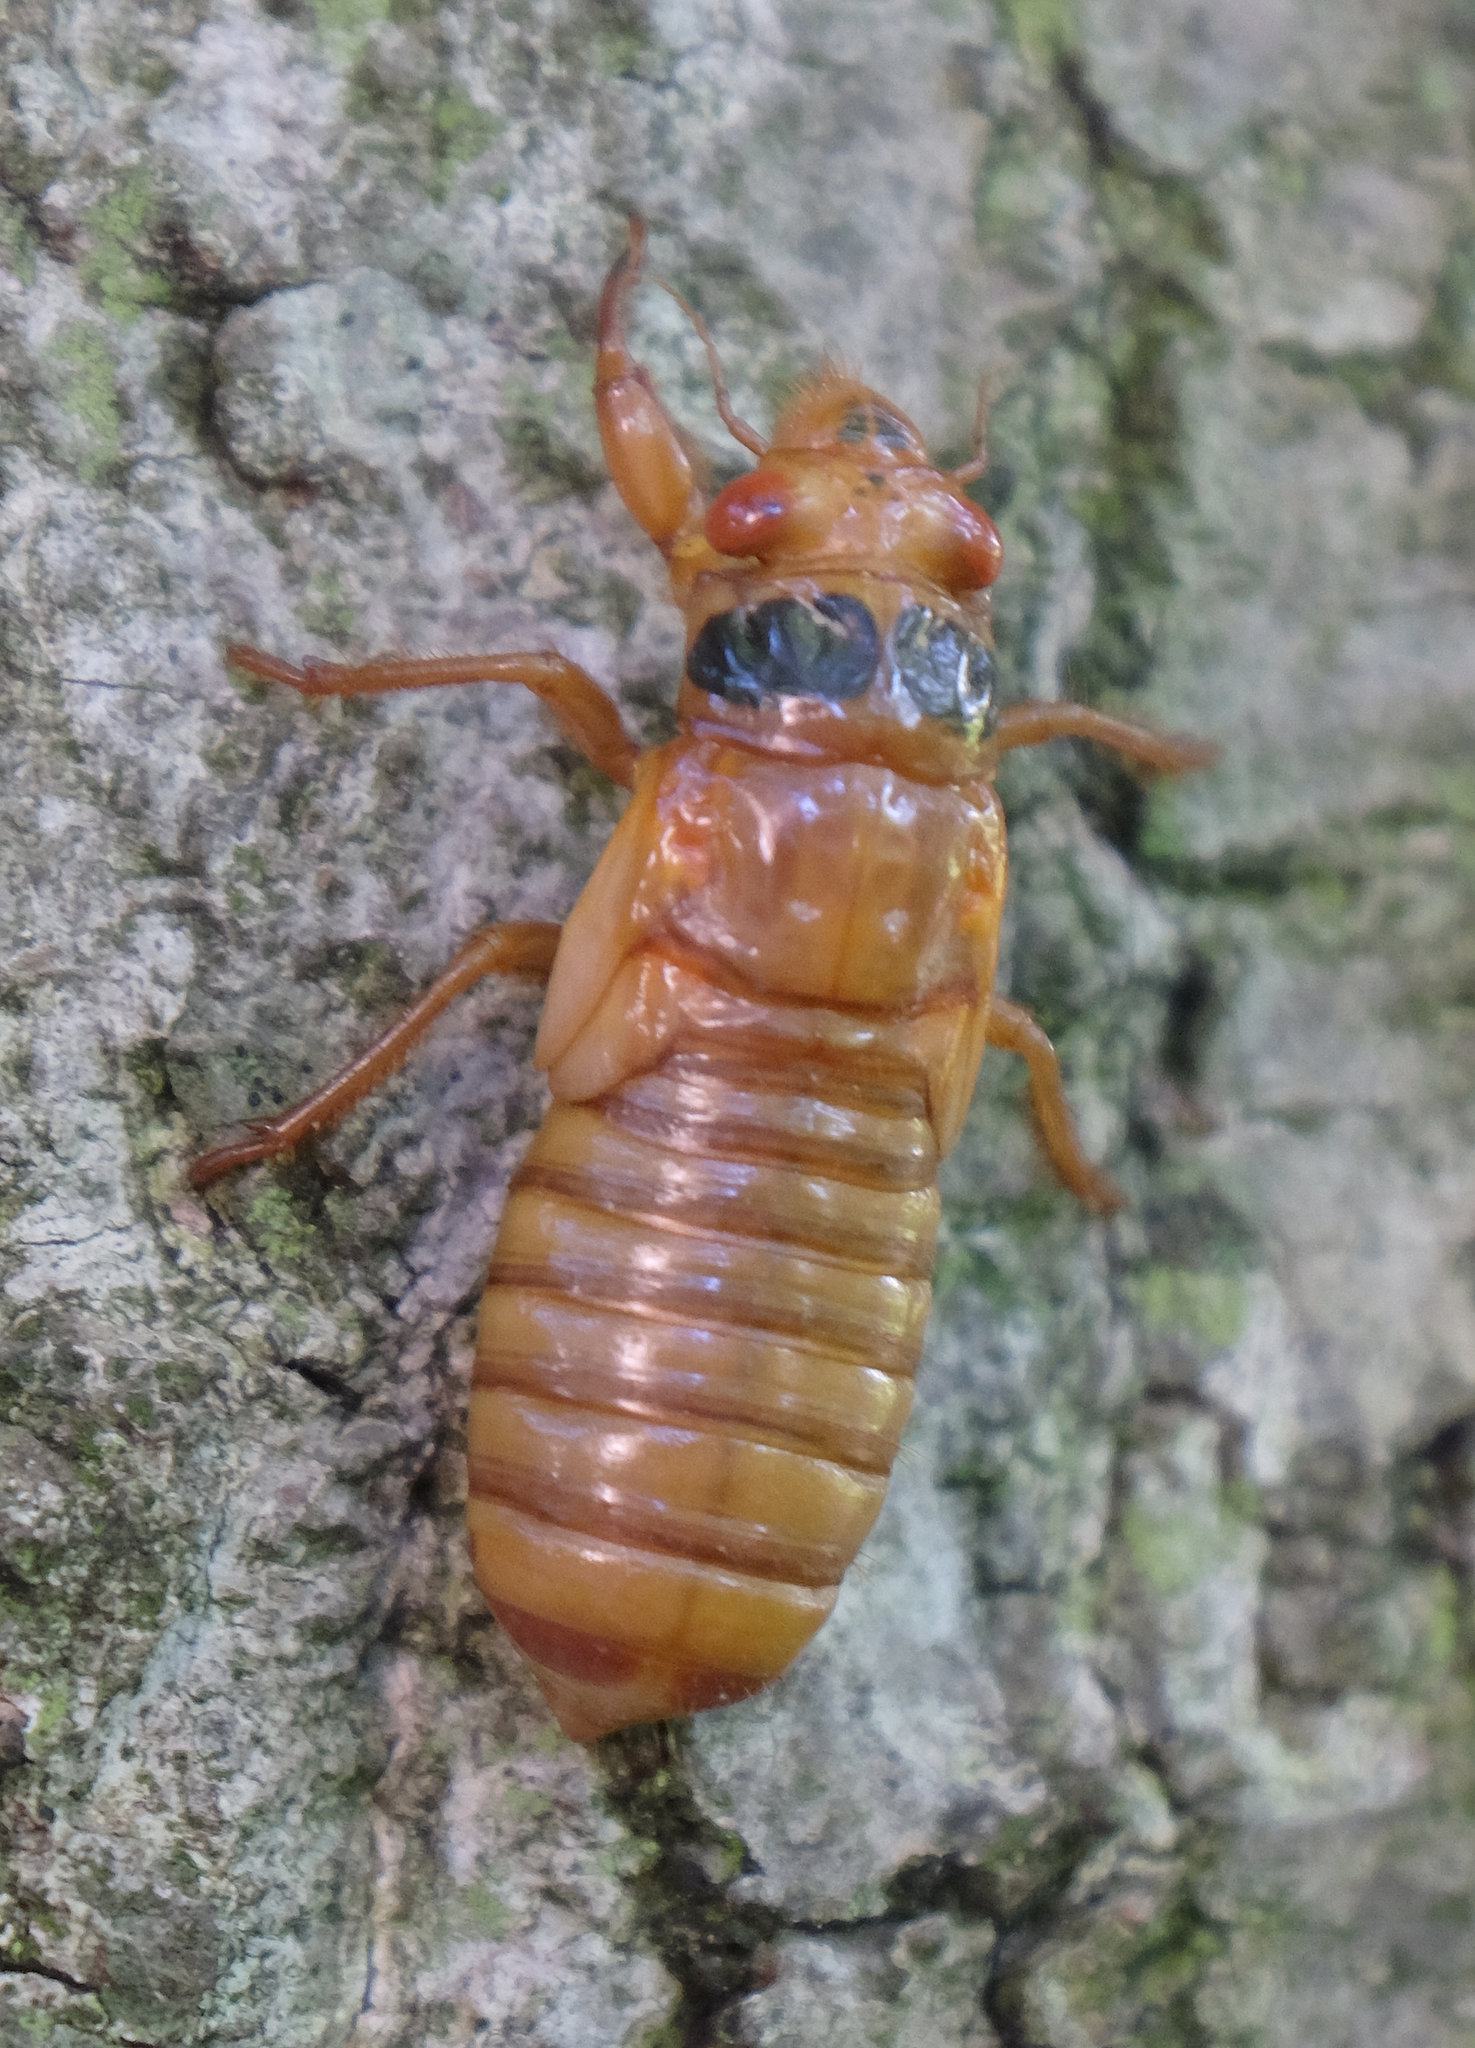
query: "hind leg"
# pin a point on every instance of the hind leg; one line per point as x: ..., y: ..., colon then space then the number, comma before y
x: 494, y: 949
x: 1011, y: 1026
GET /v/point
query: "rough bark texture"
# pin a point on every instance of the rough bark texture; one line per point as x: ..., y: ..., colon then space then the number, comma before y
x: 1147, y: 1717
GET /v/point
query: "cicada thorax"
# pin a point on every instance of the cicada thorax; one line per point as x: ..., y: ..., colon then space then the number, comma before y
x: 708, y: 1293
x: 842, y: 662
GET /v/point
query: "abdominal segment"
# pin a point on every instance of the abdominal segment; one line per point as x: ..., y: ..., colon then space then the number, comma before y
x: 694, y: 1362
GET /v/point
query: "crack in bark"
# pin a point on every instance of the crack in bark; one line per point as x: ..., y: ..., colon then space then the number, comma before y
x: 52, y: 1975
x: 325, y: 1380
x: 1026, y: 1931
x: 1161, y: 232
x: 712, y: 1947
x: 59, y: 242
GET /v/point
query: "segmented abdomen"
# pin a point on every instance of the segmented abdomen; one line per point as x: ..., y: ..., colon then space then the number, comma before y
x: 703, y: 1313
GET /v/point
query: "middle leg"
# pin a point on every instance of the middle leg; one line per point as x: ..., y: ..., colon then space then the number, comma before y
x: 584, y: 713
x: 1028, y: 724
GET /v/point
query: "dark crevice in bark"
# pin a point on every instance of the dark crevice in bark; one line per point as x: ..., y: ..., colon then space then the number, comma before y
x: 921, y: 1886
x: 1026, y: 1929
x: 74, y: 1985
x: 1152, y: 317
x: 15, y: 1585
x: 212, y: 435
x: 199, y: 287
x: 1434, y: 1499
x: 200, y: 406
x: 1195, y: 1002
x: 326, y: 1381
x: 1112, y: 154
x: 11, y: 1968
x: 12, y: 1736
x: 1158, y: 1975
x: 193, y: 280
x: 58, y: 240
x: 712, y: 1945
x: 196, y: 288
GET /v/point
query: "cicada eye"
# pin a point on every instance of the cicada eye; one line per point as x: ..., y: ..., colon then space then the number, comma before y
x: 948, y: 671
x: 751, y: 515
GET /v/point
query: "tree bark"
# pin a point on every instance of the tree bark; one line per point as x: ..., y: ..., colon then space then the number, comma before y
x: 1146, y: 1716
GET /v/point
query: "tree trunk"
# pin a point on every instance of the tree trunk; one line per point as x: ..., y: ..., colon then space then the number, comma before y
x: 1146, y: 1716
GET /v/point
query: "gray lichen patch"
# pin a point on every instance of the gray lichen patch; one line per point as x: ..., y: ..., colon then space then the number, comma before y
x: 915, y: 1986
x: 490, y: 1856
x: 312, y: 382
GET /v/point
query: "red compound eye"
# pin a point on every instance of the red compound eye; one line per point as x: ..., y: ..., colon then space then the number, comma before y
x: 979, y: 546
x: 749, y: 515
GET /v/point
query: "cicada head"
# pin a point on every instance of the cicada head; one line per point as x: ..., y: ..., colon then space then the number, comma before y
x: 846, y: 481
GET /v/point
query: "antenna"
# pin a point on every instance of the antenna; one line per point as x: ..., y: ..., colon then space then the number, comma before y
x: 737, y: 427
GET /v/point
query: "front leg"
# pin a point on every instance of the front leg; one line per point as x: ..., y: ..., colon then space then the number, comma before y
x: 650, y: 468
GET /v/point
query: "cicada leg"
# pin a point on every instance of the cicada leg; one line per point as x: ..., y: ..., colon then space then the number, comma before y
x: 585, y: 714
x: 1011, y: 1026
x: 648, y: 456
x: 1028, y: 724
x: 494, y: 949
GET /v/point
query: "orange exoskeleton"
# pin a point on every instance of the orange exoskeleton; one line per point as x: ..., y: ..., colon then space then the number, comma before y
x: 763, y: 1022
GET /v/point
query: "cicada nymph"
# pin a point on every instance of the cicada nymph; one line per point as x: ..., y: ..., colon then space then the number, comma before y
x: 764, y: 1017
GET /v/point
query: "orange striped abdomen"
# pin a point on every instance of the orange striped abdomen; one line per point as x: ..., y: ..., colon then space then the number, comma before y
x: 705, y: 1306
